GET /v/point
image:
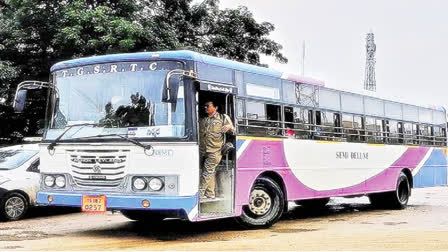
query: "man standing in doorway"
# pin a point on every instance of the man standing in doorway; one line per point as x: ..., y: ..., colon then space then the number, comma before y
x: 212, y: 129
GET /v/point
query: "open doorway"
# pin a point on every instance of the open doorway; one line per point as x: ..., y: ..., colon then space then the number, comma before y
x: 222, y: 204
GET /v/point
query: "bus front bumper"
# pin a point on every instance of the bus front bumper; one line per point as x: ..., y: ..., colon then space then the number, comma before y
x: 120, y: 201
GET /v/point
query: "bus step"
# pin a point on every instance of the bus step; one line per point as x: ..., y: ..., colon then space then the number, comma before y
x: 211, y: 200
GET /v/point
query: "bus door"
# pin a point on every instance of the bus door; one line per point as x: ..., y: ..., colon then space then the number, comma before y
x: 223, y: 203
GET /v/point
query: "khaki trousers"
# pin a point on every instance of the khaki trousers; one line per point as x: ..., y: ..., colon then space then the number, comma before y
x: 208, y: 174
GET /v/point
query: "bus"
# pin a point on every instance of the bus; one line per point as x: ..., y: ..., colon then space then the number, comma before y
x: 122, y: 134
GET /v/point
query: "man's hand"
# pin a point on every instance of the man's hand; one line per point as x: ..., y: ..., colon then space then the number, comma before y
x: 226, y: 128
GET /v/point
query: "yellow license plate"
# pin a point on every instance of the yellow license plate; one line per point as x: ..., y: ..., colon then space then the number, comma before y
x: 94, y: 204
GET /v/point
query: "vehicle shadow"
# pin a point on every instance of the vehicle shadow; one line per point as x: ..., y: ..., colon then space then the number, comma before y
x: 44, y: 211
x: 172, y: 230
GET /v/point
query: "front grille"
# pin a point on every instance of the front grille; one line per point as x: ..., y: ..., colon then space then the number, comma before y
x: 98, y: 168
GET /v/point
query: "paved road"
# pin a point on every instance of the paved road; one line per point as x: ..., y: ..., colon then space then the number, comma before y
x: 347, y: 224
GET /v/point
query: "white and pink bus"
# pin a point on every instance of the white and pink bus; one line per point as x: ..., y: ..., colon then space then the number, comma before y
x: 122, y: 134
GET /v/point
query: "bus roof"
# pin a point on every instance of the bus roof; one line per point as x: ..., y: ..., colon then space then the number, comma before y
x: 183, y: 55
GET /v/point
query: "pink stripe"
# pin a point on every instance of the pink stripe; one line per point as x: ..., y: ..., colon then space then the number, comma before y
x: 254, y: 157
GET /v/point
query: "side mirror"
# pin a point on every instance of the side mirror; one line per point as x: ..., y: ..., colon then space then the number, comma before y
x: 172, y: 83
x: 19, y: 100
x: 171, y: 88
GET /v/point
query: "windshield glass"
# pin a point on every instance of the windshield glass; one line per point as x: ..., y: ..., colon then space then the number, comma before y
x: 12, y: 159
x: 122, y: 98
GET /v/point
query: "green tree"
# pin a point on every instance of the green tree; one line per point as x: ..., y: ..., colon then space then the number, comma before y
x: 35, y: 34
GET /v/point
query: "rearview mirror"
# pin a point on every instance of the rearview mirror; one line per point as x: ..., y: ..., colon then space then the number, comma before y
x: 22, y: 93
x: 172, y: 83
x: 19, y: 100
x: 171, y: 88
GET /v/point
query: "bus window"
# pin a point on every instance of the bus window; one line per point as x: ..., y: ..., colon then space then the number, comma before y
x: 400, y: 132
x: 331, y: 125
x: 255, y: 113
x: 273, y: 116
x: 425, y: 133
x: 416, y: 132
x: 407, y: 133
x: 240, y: 116
x: 381, y: 131
x: 438, y: 136
x: 370, y: 129
x: 358, y: 123
x: 353, y: 126
x: 393, y: 131
x: 301, y: 118
x: 349, y: 128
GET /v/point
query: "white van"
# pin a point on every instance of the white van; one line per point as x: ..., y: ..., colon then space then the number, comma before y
x: 19, y: 180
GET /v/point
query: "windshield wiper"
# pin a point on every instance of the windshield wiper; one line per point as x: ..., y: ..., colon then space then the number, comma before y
x: 122, y: 136
x: 55, y: 141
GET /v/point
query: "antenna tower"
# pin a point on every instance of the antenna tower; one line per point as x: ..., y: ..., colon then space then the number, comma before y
x: 369, y: 81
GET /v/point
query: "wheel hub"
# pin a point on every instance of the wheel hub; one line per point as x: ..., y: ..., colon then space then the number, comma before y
x: 260, y: 202
x: 14, y: 207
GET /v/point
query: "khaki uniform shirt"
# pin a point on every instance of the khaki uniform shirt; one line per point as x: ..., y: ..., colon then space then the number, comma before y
x: 211, y: 136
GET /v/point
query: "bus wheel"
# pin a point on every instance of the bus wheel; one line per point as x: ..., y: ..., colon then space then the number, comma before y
x: 313, y: 203
x: 142, y: 216
x: 266, y: 204
x: 400, y: 197
x: 397, y: 199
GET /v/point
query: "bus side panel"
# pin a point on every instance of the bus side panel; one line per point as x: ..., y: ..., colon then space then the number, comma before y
x: 313, y: 169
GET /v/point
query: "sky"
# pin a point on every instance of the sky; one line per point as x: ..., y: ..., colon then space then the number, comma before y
x: 411, y: 38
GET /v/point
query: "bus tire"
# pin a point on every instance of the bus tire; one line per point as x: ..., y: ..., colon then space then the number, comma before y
x: 266, y: 204
x: 397, y: 199
x: 313, y: 203
x: 142, y: 216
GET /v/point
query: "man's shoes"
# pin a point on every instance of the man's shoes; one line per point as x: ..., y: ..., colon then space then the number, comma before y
x: 207, y: 198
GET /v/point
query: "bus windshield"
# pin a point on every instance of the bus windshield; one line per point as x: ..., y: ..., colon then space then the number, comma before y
x: 120, y: 98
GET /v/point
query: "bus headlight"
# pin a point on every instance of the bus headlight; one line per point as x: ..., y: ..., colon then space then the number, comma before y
x: 49, y: 181
x: 155, y: 184
x: 60, y: 181
x: 139, y: 184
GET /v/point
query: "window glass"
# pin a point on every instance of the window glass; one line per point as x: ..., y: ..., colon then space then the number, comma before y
x: 347, y: 121
x: 301, y: 118
x: 410, y: 113
x: 262, y: 91
x: 214, y: 73
x: 239, y: 82
x: 289, y: 94
x: 393, y: 110
x: 373, y: 130
x: 373, y: 106
x: 425, y: 115
x: 12, y: 159
x: 357, y: 122
x: 352, y: 103
x: 307, y: 95
x: 393, y: 130
x: 273, y: 113
x: 262, y: 86
x: 240, y: 108
x: 330, y: 122
x: 439, y: 117
x: 408, y: 133
x: 255, y: 112
x: 34, y: 167
x: 329, y: 99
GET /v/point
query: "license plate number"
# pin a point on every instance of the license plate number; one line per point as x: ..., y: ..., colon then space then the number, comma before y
x: 95, y: 204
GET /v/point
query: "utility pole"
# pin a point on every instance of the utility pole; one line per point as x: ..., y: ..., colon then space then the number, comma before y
x: 370, y: 81
x: 303, y: 58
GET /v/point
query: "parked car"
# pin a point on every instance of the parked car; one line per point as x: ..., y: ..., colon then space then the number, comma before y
x: 19, y: 180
